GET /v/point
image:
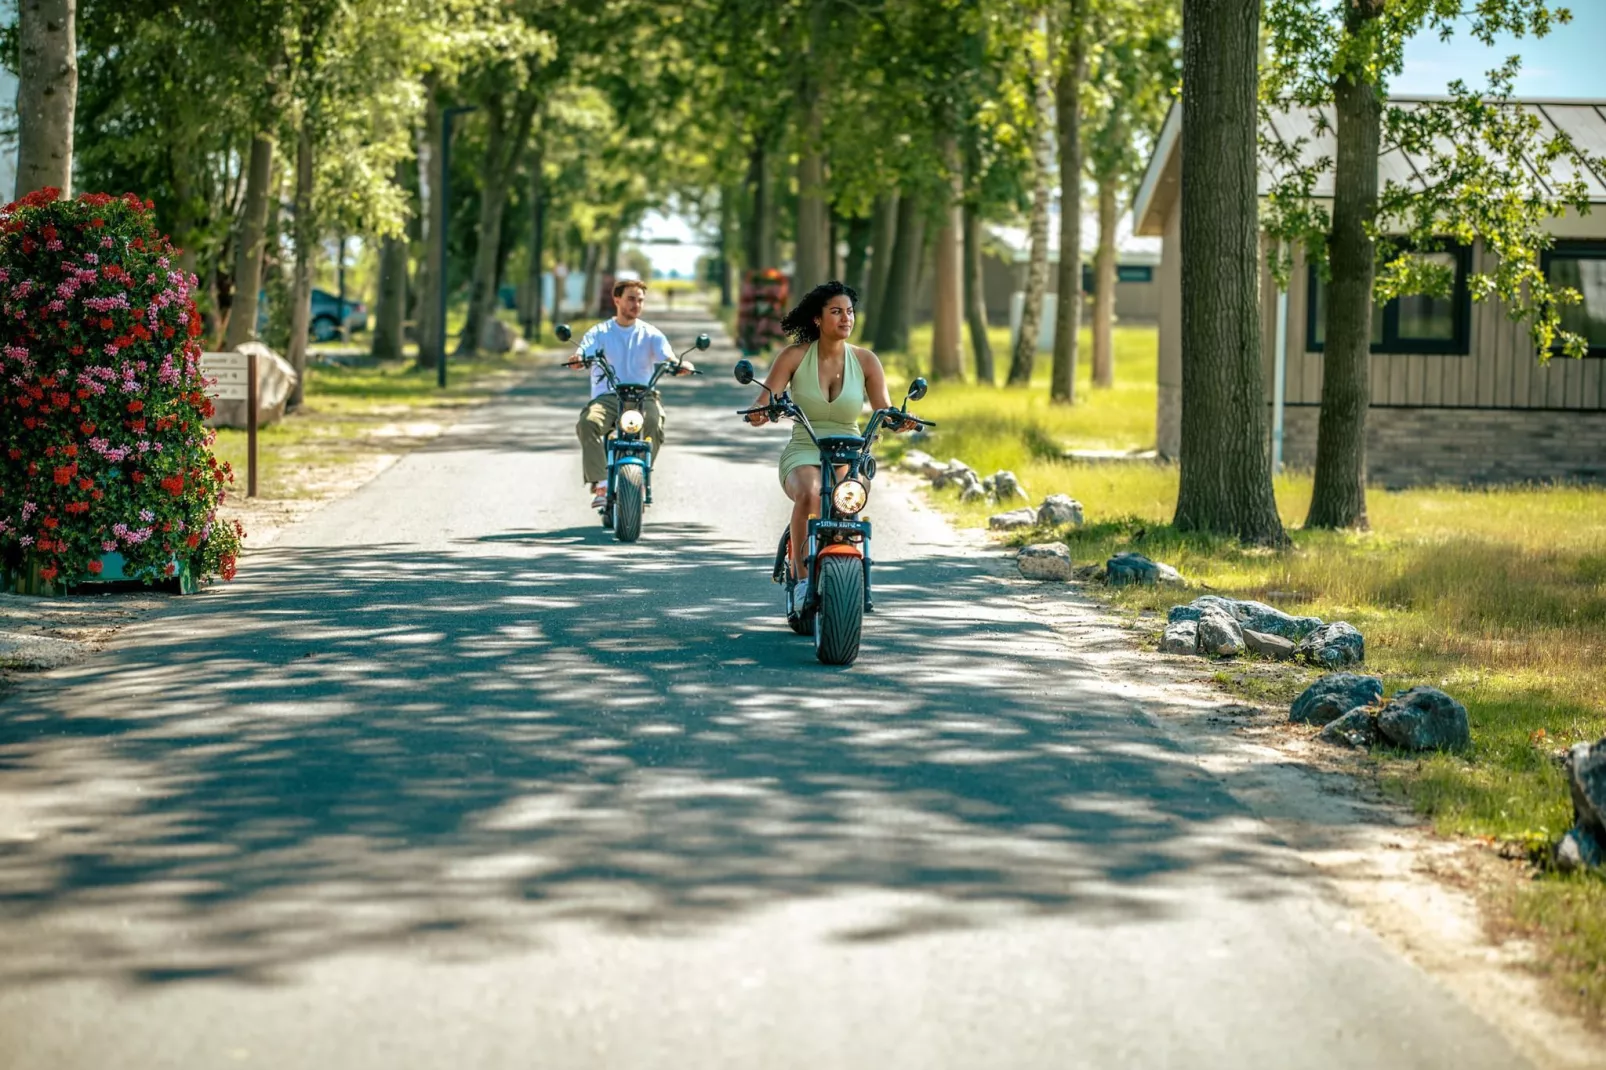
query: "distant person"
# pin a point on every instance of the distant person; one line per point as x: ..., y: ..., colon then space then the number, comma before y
x: 632, y: 346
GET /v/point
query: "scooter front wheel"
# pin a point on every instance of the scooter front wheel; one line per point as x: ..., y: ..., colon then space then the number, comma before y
x: 629, y: 490
x: 839, y: 621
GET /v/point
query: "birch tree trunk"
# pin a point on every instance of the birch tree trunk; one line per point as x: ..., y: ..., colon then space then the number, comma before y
x: 948, y: 312
x: 426, y: 317
x: 47, y: 94
x: 1031, y: 315
x: 976, y: 298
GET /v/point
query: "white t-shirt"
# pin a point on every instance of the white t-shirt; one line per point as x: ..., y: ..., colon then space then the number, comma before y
x: 632, y: 351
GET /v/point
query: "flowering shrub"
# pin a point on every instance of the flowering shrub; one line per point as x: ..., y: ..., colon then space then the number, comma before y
x: 102, y: 441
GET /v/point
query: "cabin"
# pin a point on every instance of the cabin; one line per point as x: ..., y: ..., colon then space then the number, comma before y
x: 1459, y: 394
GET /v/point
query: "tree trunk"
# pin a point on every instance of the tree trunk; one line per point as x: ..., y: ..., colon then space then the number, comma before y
x: 47, y: 94
x: 892, y: 328
x: 301, y: 285
x: 761, y: 231
x: 976, y: 298
x: 390, y: 310
x: 427, y: 314
x: 1031, y: 313
x: 1338, y: 496
x: 253, y: 240
x: 857, y: 259
x: 509, y: 131
x: 532, y: 326
x: 1068, y: 308
x: 727, y: 238
x: 883, y: 237
x: 593, y: 264
x: 812, y: 261
x: 1104, y: 289
x: 1225, y: 483
x: 948, y: 304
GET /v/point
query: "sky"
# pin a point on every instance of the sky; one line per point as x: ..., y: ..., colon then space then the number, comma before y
x: 1566, y: 63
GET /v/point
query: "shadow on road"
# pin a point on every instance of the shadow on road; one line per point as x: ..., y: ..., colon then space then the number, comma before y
x: 366, y: 748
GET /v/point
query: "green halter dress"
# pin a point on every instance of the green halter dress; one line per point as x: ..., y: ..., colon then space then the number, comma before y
x: 839, y: 417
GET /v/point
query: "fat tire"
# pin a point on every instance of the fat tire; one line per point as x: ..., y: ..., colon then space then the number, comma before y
x: 628, y: 503
x: 839, y: 621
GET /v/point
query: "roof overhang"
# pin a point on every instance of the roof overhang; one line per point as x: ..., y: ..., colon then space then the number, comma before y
x: 1158, y: 189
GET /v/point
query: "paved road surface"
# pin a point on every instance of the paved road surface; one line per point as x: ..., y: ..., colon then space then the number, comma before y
x: 447, y: 778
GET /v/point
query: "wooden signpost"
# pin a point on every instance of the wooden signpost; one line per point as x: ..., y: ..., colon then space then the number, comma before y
x: 235, y: 376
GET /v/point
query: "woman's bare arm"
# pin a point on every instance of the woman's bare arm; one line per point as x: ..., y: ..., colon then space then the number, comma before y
x: 778, y: 379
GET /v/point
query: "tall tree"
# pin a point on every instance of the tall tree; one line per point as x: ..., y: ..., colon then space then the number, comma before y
x: 252, y: 244
x: 47, y: 94
x: 892, y: 326
x: 1068, y: 114
x: 1025, y: 354
x: 947, y: 310
x: 1480, y: 153
x: 1225, y: 483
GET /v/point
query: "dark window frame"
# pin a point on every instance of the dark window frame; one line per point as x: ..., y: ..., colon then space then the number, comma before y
x: 1391, y: 343
x: 1568, y: 250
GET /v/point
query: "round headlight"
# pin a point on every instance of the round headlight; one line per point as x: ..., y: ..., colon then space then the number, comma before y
x: 849, y: 496
x: 630, y: 422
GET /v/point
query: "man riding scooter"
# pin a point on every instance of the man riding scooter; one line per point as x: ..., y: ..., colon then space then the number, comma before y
x: 632, y: 346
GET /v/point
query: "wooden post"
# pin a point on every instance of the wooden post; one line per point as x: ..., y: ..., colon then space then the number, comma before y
x: 251, y: 402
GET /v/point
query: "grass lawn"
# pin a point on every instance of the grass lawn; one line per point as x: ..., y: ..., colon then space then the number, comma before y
x: 1498, y: 596
x: 354, y: 412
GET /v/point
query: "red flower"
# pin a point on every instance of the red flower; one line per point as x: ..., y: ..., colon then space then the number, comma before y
x: 193, y: 541
x: 105, y: 323
x: 64, y: 476
x: 136, y: 405
x: 70, y: 450
x: 138, y: 477
x: 94, y: 568
x: 174, y: 485
x: 87, y: 428
x: 97, y: 495
x: 48, y: 573
x: 85, y: 484
x: 51, y: 523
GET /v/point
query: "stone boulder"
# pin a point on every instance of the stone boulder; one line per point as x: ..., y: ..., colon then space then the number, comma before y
x: 972, y: 492
x: 1268, y: 645
x: 1126, y: 569
x: 1013, y: 520
x: 1045, y: 561
x: 1006, y: 488
x: 920, y: 463
x: 1579, y: 850
x: 1257, y: 616
x: 1181, y: 637
x: 1586, y: 776
x: 1425, y: 718
x: 1332, y: 645
x: 954, y: 473
x: 1357, y: 728
x: 1219, y: 635
x: 1333, y: 696
x: 1060, y: 509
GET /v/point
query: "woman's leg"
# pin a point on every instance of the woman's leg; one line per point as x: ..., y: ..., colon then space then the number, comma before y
x: 803, y: 487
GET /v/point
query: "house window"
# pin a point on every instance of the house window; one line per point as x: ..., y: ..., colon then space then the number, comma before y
x: 1411, y: 323
x: 1123, y: 273
x: 1582, y: 266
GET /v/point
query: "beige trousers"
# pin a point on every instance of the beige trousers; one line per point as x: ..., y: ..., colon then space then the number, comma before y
x: 599, y: 417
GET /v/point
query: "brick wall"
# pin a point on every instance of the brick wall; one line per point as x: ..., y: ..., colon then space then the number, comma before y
x: 1411, y: 447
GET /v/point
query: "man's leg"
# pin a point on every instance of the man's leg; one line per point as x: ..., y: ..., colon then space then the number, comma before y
x: 653, y: 423
x: 596, y: 420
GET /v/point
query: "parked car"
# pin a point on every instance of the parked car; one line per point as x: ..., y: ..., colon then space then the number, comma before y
x: 326, y: 315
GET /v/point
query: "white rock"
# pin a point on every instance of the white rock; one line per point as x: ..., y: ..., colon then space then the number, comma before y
x: 1060, y: 509
x: 1045, y: 561
x: 1181, y: 637
x: 1013, y: 520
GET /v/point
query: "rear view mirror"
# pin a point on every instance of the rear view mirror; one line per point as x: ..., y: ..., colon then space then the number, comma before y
x: 703, y: 341
x: 563, y: 332
x: 744, y: 372
x: 917, y: 390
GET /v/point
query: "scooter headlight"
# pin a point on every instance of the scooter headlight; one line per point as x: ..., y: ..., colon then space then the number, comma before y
x: 631, y: 421
x: 850, y: 496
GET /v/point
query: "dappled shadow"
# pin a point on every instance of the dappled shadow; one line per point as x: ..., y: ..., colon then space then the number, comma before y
x: 362, y: 747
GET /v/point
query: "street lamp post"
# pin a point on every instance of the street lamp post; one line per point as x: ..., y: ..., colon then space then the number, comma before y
x: 445, y: 210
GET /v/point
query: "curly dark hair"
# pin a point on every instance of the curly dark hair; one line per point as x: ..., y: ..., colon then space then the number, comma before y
x: 799, y: 323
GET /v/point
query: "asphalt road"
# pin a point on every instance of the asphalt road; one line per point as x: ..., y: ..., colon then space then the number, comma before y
x: 448, y: 778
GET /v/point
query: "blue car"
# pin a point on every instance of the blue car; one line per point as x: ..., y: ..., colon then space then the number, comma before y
x: 325, y: 315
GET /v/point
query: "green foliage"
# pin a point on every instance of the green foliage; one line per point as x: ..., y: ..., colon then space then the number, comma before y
x: 1479, y: 155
